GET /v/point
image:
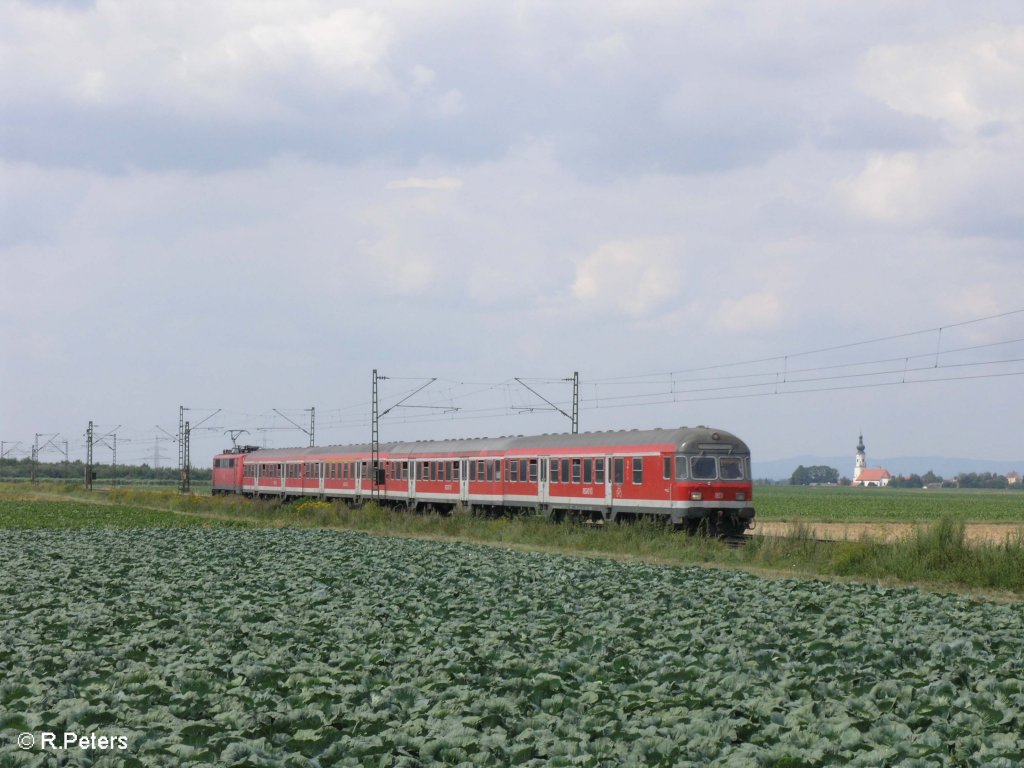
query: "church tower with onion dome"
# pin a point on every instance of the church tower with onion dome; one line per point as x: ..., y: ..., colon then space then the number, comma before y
x: 861, y: 461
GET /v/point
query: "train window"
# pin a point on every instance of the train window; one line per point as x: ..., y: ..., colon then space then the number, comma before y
x: 513, y: 472
x: 472, y: 471
x: 575, y: 470
x: 638, y: 471
x: 588, y: 470
x: 703, y: 468
x: 497, y: 470
x: 554, y: 471
x: 533, y: 470
x: 618, y: 471
x: 405, y: 470
x: 480, y: 470
x: 565, y: 470
x: 666, y: 467
x: 680, y: 467
x: 599, y: 471
x: 490, y: 471
x: 730, y: 468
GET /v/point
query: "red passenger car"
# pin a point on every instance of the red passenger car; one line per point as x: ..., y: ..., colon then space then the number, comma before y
x: 694, y: 477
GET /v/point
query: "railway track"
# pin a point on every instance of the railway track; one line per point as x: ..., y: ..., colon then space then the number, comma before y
x: 737, y: 541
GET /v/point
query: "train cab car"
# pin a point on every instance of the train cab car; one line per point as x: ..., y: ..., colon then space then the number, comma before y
x: 712, y: 482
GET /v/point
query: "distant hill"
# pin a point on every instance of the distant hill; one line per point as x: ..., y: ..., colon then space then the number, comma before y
x: 782, y: 469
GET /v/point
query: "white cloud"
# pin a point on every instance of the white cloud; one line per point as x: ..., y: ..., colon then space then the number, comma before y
x: 441, y: 183
x: 633, y: 277
x: 968, y: 81
x: 756, y: 311
x: 890, y: 188
x: 217, y: 59
x: 397, y: 268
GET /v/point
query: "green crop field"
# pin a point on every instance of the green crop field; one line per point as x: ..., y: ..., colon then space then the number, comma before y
x: 24, y: 513
x: 786, y: 502
x: 308, y: 647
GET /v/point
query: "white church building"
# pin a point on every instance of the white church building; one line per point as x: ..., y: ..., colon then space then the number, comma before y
x: 862, y: 475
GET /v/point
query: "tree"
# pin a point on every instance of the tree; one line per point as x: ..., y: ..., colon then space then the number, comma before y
x: 816, y: 475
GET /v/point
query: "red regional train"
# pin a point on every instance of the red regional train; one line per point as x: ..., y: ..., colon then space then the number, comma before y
x: 697, y: 478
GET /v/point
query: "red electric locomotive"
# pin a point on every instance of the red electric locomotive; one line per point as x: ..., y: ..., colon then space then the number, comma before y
x: 697, y: 478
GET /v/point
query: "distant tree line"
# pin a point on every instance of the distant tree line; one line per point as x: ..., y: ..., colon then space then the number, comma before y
x: 822, y: 475
x: 18, y: 469
x: 816, y: 475
x: 963, y: 480
x: 919, y: 481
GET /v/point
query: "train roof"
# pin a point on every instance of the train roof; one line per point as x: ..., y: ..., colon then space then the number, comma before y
x: 693, y: 439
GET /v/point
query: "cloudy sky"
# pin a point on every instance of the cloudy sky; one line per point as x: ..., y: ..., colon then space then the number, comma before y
x: 251, y: 205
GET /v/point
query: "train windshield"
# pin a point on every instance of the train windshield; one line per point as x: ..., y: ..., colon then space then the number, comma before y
x: 703, y: 467
x: 712, y: 467
x: 730, y: 468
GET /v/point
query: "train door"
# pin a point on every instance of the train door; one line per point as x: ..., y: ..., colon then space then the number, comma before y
x: 463, y: 482
x: 608, y: 481
x: 357, y: 471
x: 613, y: 481
x: 542, y: 481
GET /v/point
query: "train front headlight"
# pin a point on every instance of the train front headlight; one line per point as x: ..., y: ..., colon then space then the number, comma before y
x: 696, y: 496
x: 741, y: 496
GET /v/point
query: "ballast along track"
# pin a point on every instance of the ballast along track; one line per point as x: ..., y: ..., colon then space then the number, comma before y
x: 696, y: 478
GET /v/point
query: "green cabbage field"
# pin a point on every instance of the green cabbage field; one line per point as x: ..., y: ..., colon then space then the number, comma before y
x: 294, y: 647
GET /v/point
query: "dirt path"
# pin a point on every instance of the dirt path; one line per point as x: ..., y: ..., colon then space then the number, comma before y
x: 994, y: 533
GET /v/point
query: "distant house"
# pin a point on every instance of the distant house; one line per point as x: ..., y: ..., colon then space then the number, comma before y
x: 1012, y: 478
x: 877, y: 477
x: 862, y: 475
